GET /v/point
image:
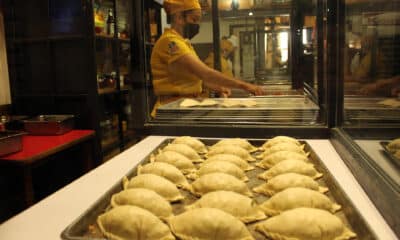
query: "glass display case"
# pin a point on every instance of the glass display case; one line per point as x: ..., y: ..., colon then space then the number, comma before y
x: 277, y: 45
x: 369, y: 116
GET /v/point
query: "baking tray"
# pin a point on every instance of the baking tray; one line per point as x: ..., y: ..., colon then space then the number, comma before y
x: 85, y: 228
x: 49, y: 124
x: 369, y: 110
x: 10, y: 142
x: 390, y: 155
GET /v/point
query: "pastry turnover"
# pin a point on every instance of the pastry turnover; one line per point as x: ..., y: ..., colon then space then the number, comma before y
x: 394, y: 145
x: 219, y: 181
x: 185, y: 150
x: 165, y: 170
x: 305, y: 224
x: 280, y: 139
x: 287, y: 180
x: 296, y: 197
x: 243, y: 143
x: 220, y: 166
x: 291, y: 166
x: 286, y: 146
x: 178, y: 160
x: 230, y: 149
x: 274, y: 158
x: 242, y: 207
x: 187, y: 102
x: 130, y: 222
x: 244, y: 165
x: 208, y: 224
x: 160, y: 185
x: 192, y: 142
x: 143, y: 198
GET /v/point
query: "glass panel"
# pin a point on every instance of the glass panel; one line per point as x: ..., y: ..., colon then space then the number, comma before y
x: 66, y: 17
x: 104, y: 17
x: 272, y: 44
x: 124, y: 18
x: 106, y: 68
x: 371, y: 67
x: 124, y: 65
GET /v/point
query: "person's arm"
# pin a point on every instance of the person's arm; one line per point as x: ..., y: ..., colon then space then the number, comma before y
x: 212, y: 77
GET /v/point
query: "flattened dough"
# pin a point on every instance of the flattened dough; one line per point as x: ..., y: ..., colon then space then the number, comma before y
x: 291, y: 166
x: 219, y: 181
x: 242, y: 207
x: 305, y: 224
x: 187, y: 102
x: 296, y: 197
x: 192, y: 142
x: 143, y: 198
x: 287, y: 180
x: 130, y: 222
x: 178, y: 160
x: 160, y: 185
x: 244, y: 165
x: 243, y: 143
x: 208, y: 102
x: 272, y: 159
x: 208, y: 224
x: 185, y: 150
x: 229, y: 149
x: 165, y: 170
x: 222, y: 167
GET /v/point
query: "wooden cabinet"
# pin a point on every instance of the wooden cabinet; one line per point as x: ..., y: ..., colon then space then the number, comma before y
x: 73, y: 57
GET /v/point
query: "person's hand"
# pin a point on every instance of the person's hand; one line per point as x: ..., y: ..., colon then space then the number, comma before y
x: 225, y: 92
x: 369, y: 89
x: 255, y: 89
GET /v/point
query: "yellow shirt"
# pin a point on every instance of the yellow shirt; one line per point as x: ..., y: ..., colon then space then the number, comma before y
x: 225, y: 69
x: 166, y: 81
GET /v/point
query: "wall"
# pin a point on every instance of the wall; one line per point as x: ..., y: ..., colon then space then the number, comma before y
x: 5, y: 96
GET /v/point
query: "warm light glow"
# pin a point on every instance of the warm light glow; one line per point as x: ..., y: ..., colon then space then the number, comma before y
x: 250, y: 13
x: 304, y: 36
x: 283, y: 41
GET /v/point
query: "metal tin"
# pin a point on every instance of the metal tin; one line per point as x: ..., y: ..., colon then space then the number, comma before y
x: 85, y: 227
x: 10, y: 142
x: 49, y: 124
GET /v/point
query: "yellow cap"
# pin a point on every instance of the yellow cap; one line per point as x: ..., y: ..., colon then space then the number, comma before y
x: 174, y: 6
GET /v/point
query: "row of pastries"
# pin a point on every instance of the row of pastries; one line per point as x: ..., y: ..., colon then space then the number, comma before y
x: 212, y: 185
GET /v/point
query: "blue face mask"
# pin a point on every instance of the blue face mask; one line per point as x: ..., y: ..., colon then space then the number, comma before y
x: 190, y: 30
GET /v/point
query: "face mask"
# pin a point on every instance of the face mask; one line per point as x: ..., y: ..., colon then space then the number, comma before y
x: 190, y: 30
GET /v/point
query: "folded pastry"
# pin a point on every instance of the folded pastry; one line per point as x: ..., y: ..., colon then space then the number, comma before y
x: 143, y: 198
x: 187, y: 102
x: 220, y: 166
x: 291, y: 166
x: 279, y: 139
x: 243, y: 143
x: 208, y: 224
x: 394, y: 145
x: 305, y: 224
x: 296, y: 197
x: 185, y: 150
x: 242, y: 207
x: 287, y: 180
x: 230, y: 149
x: 130, y: 222
x: 274, y: 158
x: 243, y: 164
x: 178, y: 160
x: 192, y: 142
x: 160, y: 185
x: 286, y: 146
x: 219, y: 181
x: 165, y: 170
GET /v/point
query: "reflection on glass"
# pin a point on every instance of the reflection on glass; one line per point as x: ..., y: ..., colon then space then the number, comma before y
x: 372, y: 63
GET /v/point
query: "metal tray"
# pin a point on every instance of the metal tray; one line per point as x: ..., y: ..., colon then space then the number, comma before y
x: 85, y: 227
x: 10, y: 142
x: 390, y: 155
x: 49, y: 124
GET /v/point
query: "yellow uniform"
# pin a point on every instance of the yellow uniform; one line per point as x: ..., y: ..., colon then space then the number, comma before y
x: 171, y: 83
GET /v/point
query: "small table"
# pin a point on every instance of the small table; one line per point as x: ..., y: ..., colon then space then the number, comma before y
x: 35, y: 149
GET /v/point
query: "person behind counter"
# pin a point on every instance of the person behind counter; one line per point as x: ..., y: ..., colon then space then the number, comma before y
x: 177, y: 70
x: 226, y: 50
